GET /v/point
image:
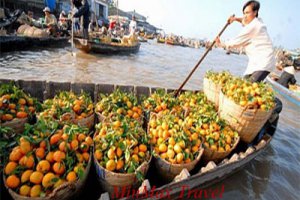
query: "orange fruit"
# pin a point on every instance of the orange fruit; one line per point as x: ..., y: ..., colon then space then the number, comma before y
x: 58, y: 156
x: 21, y: 114
x: 135, y: 158
x: 170, y: 154
x: 35, y: 191
x: 64, y: 146
x: 22, y: 101
x: 25, y: 190
x: 55, y: 138
x: 120, y: 164
x: 43, y: 144
x: 16, y: 154
x: 177, y: 148
x: 179, y: 158
x: 111, y: 165
x: 162, y: 148
x: 43, y: 166
x: 25, y: 147
x: 10, y: 167
x: 79, y: 157
x: 81, y: 137
x: 48, y: 180
x: 40, y: 153
x: 12, y: 181
x: 71, y: 177
x: 26, y: 175
x: 143, y: 148
x: 111, y: 154
x: 58, y: 168
x: 74, y: 144
x: 86, y: 156
x: 98, y: 154
x: 58, y: 183
x: 49, y: 157
x: 27, y: 161
x: 119, y: 152
x: 89, y: 140
x: 36, y: 177
x: 172, y: 141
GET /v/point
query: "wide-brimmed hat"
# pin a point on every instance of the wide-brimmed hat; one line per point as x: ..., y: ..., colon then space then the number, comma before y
x: 46, y: 9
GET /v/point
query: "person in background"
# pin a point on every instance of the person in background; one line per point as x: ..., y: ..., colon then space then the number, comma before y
x: 63, y: 23
x: 288, y: 75
x: 256, y: 41
x: 83, y: 10
x: 50, y: 21
x: 132, y: 26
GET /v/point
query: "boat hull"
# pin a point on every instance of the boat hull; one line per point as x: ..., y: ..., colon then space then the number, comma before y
x: 102, y: 48
x: 16, y: 43
x: 203, y: 175
x: 285, y: 92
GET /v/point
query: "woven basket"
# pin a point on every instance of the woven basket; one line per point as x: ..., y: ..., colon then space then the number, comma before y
x: 211, y: 90
x: 17, y: 124
x: 168, y: 170
x: 247, y: 122
x: 216, y: 156
x: 86, y: 122
x: 65, y: 191
x: 112, y: 182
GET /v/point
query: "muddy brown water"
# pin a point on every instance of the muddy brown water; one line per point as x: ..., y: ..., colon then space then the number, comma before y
x: 275, y: 174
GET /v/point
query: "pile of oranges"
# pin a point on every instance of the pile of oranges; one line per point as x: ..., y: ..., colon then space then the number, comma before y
x: 68, y: 102
x: 121, y: 144
x: 248, y: 94
x: 14, y: 103
x: 43, y: 161
x: 219, y: 78
x: 120, y: 103
x: 159, y: 102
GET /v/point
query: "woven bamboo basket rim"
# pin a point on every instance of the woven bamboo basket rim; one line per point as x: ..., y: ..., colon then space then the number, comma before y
x: 14, y: 121
x: 225, y: 153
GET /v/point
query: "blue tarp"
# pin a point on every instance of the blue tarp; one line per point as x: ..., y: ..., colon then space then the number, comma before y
x: 50, y: 4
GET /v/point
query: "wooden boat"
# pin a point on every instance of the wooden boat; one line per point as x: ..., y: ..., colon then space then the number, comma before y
x: 169, y: 41
x: 16, y: 43
x: 161, y: 40
x: 291, y: 95
x: 149, y: 37
x: 104, y: 48
x: 202, y: 176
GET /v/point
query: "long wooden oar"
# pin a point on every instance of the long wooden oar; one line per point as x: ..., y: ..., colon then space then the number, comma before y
x: 201, y: 59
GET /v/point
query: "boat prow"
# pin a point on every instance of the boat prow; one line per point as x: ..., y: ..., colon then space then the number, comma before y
x: 290, y: 95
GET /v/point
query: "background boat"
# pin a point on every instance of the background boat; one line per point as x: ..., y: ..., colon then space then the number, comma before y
x: 104, y: 48
x: 290, y: 95
x: 16, y: 43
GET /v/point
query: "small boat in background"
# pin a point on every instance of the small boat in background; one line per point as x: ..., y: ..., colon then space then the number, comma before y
x: 105, y: 48
x: 292, y: 94
x: 161, y: 40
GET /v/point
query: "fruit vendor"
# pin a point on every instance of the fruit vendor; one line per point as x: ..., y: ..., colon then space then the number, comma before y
x: 255, y: 39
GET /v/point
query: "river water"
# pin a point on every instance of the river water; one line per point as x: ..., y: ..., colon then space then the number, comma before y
x: 275, y: 174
